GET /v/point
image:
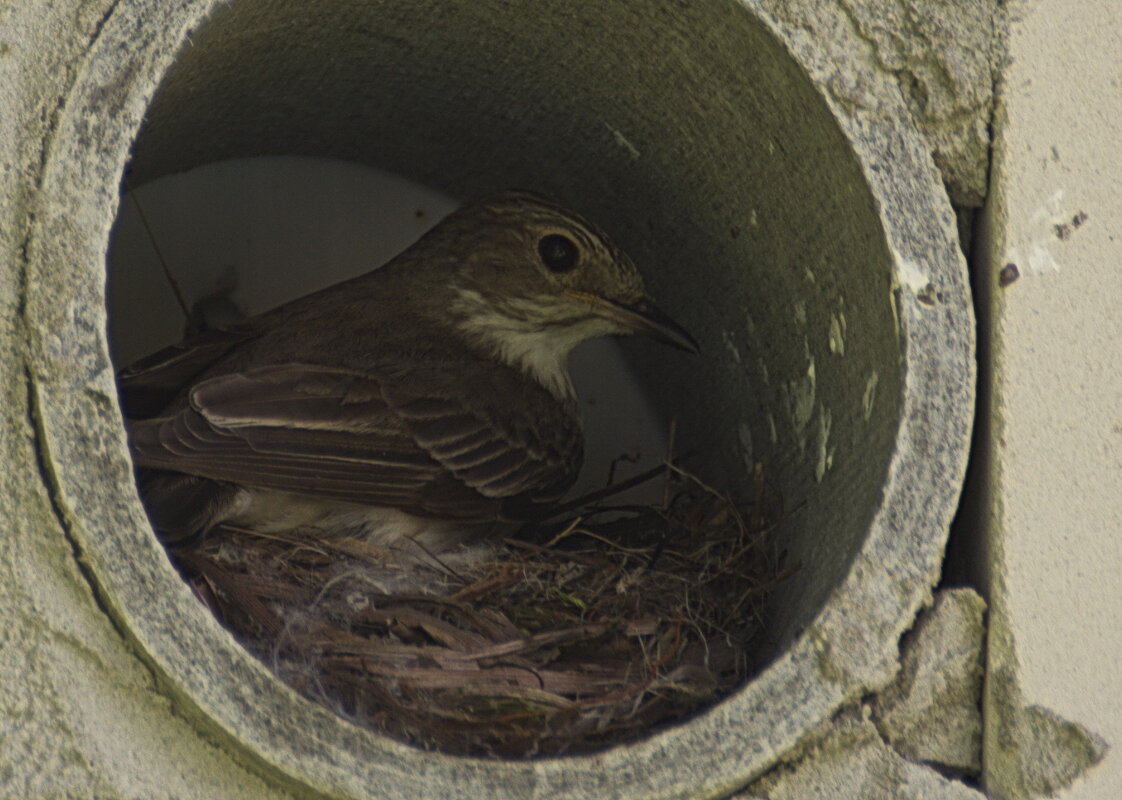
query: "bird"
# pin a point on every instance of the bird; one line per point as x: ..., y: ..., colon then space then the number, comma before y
x: 426, y: 401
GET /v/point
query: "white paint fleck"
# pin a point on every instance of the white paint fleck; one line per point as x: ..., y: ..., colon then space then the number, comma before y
x: 1034, y: 256
x: 837, y: 334
x: 730, y: 345
x: 623, y: 142
x: 869, y: 397
x: 800, y: 312
x: 744, y: 433
x: 800, y: 403
x: 911, y: 274
x: 1039, y: 260
x: 825, y: 452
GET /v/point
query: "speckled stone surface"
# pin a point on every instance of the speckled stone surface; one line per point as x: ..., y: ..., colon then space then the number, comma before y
x: 932, y: 712
x: 852, y: 760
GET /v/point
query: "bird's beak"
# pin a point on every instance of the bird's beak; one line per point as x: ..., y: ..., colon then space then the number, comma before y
x: 642, y: 317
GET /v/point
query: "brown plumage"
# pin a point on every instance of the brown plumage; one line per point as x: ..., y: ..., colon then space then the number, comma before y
x: 427, y: 399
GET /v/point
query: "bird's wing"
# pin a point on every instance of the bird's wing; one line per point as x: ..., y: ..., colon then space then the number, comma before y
x: 497, y: 457
x: 149, y: 385
x: 334, y: 432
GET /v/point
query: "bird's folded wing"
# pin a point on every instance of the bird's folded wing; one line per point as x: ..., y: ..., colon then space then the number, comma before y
x: 333, y: 432
x: 147, y: 386
x: 498, y: 458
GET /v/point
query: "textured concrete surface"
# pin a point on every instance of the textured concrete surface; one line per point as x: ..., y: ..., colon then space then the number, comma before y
x: 117, y: 683
x: 932, y: 712
x: 944, y: 56
x: 80, y: 715
x: 1053, y: 469
x: 853, y: 761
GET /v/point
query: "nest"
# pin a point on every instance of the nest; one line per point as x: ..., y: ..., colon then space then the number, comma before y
x: 595, y: 628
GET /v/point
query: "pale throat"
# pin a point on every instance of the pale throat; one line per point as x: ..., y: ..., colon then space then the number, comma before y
x: 534, y: 335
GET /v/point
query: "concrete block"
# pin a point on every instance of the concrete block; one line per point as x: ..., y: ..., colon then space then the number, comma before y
x: 945, y: 58
x: 1049, y: 465
x: 852, y: 761
x: 932, y: 711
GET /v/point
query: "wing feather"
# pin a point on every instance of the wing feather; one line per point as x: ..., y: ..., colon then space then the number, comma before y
x: 336, y: 432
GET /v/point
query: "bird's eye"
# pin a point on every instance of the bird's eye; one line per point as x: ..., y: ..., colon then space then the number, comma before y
x: 558, y: 252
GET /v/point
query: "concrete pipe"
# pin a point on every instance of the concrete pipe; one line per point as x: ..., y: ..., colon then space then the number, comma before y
x: 810, y: 247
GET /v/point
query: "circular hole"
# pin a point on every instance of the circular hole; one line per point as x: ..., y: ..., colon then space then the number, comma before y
x: 727, y: 179
x: 749, y: 215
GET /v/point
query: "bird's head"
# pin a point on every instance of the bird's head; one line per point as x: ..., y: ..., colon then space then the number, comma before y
x: 533, y: 280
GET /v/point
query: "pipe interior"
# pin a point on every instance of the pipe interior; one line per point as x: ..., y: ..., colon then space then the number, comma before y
x: 684, y: 130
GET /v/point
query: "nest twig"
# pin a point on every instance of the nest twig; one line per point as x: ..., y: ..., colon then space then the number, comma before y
x: 593, y: 628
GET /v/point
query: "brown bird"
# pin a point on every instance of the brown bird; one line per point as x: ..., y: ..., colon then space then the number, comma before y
x: 426, y: 400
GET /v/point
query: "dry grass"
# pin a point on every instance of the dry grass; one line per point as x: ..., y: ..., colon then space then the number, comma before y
x: 589, y: 630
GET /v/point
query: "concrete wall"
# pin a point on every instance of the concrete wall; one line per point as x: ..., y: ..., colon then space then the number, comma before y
x: 1049, y: 467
